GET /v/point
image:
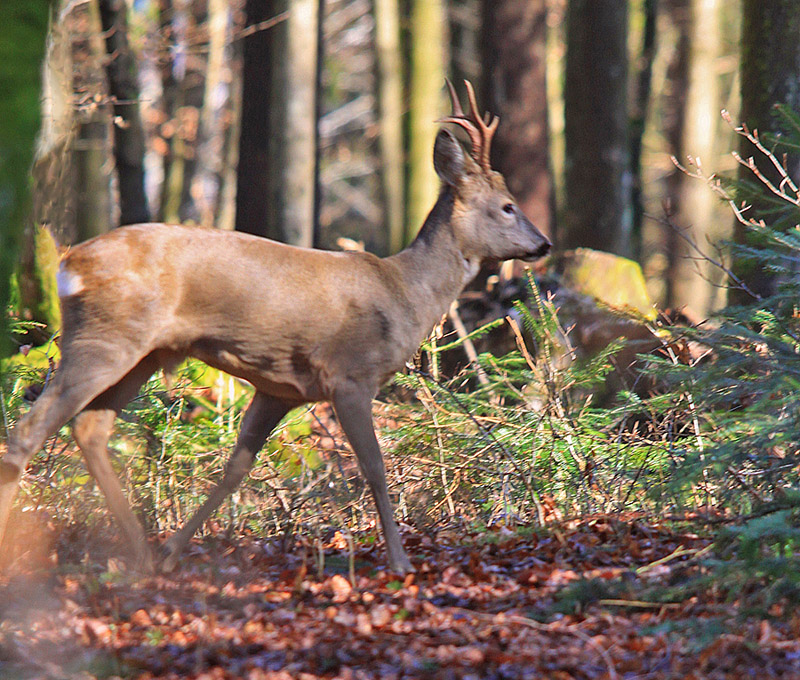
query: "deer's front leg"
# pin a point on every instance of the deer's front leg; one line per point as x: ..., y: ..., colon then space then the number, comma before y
x: 354, y: 410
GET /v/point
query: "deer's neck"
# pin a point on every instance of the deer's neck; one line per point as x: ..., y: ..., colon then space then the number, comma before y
x: 434, y: 268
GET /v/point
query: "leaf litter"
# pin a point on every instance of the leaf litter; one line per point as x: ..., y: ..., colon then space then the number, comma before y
x: 566, y: 603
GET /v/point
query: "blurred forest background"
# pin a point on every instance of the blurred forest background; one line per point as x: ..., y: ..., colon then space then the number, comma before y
x: 312, y: 121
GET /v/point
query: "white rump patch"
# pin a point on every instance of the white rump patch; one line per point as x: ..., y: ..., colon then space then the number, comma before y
x: 68, y: 282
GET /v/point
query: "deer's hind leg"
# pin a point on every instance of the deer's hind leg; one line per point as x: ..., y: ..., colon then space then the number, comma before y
x: 92, y: 429
x: 263, y: 414
x: 79, y: 379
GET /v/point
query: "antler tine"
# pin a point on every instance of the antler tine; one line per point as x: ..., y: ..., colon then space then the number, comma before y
x: 473, y: 102
x: 485, y: 128
x: 480, y: 129
x: 458, y: 118
x: 454, y: 101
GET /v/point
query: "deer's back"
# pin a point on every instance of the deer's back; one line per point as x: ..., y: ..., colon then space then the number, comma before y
x: 291, y: 320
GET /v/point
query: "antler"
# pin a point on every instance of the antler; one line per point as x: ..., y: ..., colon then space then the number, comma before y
x: 480, y: 130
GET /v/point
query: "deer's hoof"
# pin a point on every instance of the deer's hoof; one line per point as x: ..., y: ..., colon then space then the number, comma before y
x: 169, y: 564
x: 170, y: 561
x: 401, y: 565
x: 145, y: 564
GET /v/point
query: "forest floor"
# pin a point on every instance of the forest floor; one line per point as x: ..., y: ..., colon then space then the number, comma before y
x: 497, y: 604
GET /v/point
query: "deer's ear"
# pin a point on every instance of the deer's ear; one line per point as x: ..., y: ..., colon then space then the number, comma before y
x: 448, y: 158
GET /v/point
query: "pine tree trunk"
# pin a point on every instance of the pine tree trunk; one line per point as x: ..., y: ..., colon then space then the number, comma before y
x: 390, y: 101
x: 129, y: 145
x: 597, y: 178
x: 514, y: 57
x: 770, y: 71
x: 428, y: 46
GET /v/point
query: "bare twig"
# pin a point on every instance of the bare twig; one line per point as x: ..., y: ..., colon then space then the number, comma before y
x: 261, y: 26
x: 428, y: 403
x: 755, y: 140
x: 469, y: 346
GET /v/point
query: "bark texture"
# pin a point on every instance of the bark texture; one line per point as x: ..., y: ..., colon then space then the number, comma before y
x: 254, y: 178
x: 277, y: 149
x: 639, y: 111
x: 94, y: 212
x: 129, y: 144
x: 597, y: 179
x: 295, y: 103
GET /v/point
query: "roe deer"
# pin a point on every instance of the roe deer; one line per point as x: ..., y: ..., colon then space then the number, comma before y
x: 300, y: 325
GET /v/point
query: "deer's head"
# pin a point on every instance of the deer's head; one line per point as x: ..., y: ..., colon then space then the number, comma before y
x: 487, y: 222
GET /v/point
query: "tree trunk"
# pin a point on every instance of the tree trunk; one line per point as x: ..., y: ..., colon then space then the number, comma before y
x: 318, y: 109
x: 770, y: 71
x: 597, y: 179
x: 211, y: 149
x: 193, y: 88
x: 183, y: 85
x: 38, y: 293
x: 53, y: 166
x: 172, y: 44
x: 514, y: 56
x: 277, y: 151
x: 694, y: 283
x: 129, y: 145
x: 226, y: 209
x: 92, y: 150
x: 93, y: 201
x: 294, y: 126
x: 23, y: 31
x: 673, y: 106
x: 639, y: 110
x: 428, y: 45
x: 254, y: 176
x: 390, y: 101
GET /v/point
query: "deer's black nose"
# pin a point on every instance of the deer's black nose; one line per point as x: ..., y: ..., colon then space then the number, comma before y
x: 543, y: 249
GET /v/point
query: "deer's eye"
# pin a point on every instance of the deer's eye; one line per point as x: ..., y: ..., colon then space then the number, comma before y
x: 508, y: 208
